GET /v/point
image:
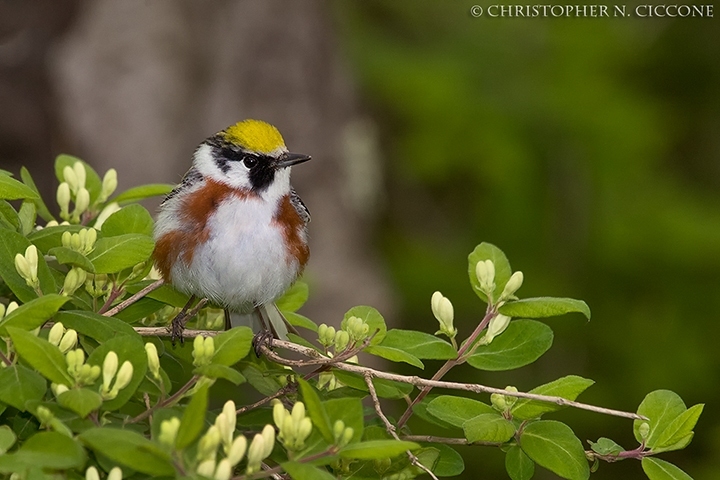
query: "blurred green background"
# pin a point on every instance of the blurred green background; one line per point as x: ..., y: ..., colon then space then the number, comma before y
x: 589, y: 151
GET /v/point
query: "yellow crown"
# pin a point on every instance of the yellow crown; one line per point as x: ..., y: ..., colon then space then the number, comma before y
x: 254, y: 135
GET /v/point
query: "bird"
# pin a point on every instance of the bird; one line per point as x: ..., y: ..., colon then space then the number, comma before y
x: 234, y: 231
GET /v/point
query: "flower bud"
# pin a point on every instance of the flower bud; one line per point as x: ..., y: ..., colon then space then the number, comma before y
x: 71, y: 178
x: 503, y: 402
x: 82, y: 202
x: 109, y: 184
x: 63, y: 200
x: 198, y: 352
x: 58, y: 389
x: 224, y: 470
x: 92, y: 474
x: 124, y: 376
x: 279, y: 413
x: 69, y: 340
x: 153, y: 360
x: 304, y: 429
x: 115, y: 474
x: 74, y: 279
x: 66, y: 239
x: 342, y: 339
x: 168, y: 431
x: 56, y: 334
x: 346, y: 436
x: 206, y: 468
x: 44, y: 415
x: 443, y: 311
x: 268, y: 434
x: 255, y: 453
x: 31, y: 254
x: 485, y: 273
x: 512, y: 285
x: 80, y: 173
x: 237, y: 450
x: 644, y: 430
x: 497, y: 325
x: 338, y: 429
x: 110, y: 367
x: 209, y: 348
x: 298, y: 412
x: 12, y: 306
x: 207, y: 447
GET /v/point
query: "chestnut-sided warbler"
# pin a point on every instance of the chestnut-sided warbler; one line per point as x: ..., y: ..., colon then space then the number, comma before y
x: 234, y: 231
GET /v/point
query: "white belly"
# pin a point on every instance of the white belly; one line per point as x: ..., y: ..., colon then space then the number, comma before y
x: 243, y: 262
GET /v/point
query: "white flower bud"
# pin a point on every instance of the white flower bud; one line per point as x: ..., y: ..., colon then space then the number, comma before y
x: 56, y: 334
x: 342, y: 338
x: 237, y: 450
x: 115, y: 474
x: 71, y: 178
x: 224, y: 470
x: 268, y: 434
x: 124, y: 376
x: 82, y: 202
x: 298, y: 412
x: 58, y: 389
x: 110, y: 366
x: 153, y: 360
x: 206, y: 468
x: 109, y: 184
x: 347, y: 436
x: 80, y: 173
x: 485, y: 273
x: 74, y: 279
x: 443, y: 311
x: 168, y: 431
x: 207, y: 447
x: 92, y: 474
x: 12, y: 306
x: 304, y: 429
x: 497, y: 325
x: 63, y: 200
x: 69, y: 340
x: 209, y: 348
x: 109, y: 209
x: 512, y: 285
x: 255, y: 453
x: 279, y: 413
x: 198, y: 352
x: 31, y: 254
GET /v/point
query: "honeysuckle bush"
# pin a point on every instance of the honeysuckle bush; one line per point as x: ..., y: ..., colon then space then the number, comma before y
x: 90, y: 385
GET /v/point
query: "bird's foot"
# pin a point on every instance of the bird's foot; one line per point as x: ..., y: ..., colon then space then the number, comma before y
x: 177, y: 327
x: 261, y: 339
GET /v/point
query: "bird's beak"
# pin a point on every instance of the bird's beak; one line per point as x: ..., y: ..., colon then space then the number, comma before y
x: 289, y: 159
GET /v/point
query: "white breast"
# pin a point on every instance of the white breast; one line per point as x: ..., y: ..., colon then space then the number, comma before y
x: 244, y: 262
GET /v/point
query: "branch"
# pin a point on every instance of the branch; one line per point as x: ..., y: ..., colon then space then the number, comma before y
x: 126, y: 303
x: 389, y: 426
x: 446, y: 440
x: 170, y: 400
x: 422, y: 382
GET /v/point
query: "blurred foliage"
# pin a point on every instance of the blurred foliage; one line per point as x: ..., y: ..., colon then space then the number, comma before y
x: 589, y: 149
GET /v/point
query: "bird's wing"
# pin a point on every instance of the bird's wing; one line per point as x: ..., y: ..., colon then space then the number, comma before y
x: 192, y: 177
x: 299, y: 206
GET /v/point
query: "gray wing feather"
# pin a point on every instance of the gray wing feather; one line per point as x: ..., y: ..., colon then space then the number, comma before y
x: 191, y: 178
x: 300, y: 207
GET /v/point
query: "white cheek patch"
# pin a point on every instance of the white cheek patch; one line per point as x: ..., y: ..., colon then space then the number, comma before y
x: 236, y: 174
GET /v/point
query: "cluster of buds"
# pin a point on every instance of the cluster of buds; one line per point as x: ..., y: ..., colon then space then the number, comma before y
x: 485, y: 273
x: 27, y: 266
x: 82, y: 373
x: 74, y: 279
x: 356, y: 328
x: 62, y: 338
x: 210, y: 319
x: 98, y: 284
x: 497, y: 325
x: 222, y: 433
x: 73, y: 186
x: 503, y: 403
x: 353, y: 330
x: 203, y: 350
x: 114, y: 474
x: 442, y: 308
x: 53, y: 223
x: 82, y: 242
x: 260, y: 448
x: 110, y: 371
x: 162, y: 316
x: 294, y: 428
x: 329, y: 381
x: 153, y: 361
x: 342, y: 434
x: 168, y: 431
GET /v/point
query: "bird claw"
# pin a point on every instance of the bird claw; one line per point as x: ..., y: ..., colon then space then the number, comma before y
x: 262, y: 339
x: 177, y: 327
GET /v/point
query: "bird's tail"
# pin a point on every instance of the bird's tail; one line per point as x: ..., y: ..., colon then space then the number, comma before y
x: 262, y: 317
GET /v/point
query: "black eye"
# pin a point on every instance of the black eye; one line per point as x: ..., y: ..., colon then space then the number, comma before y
x: 250, y: 161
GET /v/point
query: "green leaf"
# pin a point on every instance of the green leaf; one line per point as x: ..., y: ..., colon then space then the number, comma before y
x: 377, y: 449
x: 304, y: 471
x: 94, y: 325
x: 450, y: 463
x: 232, y: 346
x: 11, y: 189
x: 9, y: 219
x: 193, y: 419
x: 27, y: 216
x: 113, y: 254
x: 297, y: 320
x: 657, y: 469
x: 133, y: 218
x: 7, y: 439
x: 518, y: 465
x: 384, y: 388
x: 19, y: 384
x: 143, y: 191
x: 93, y: 184
x: 258, y: 374
x: 316, y: 410
x: 606, y: 446
x: 542, y: 307
x: 373, y: 318
x: 165, y: 294
x: 42, y: 209
x: 127, y: 348
x: 661, y: 407
x: 129, y: 449
x: 221, y: 371
x: 52, y: 450
x: 522, y: 343
x: 12, y: 244
x: 488, y: 251
x: 42, y: 355
x: 554, y: 446
x: 457, y: 410
x: 678, y: 429
x: 68, y: 256
x: 34, y: 313
x: 394, y: 355
x: 568, y: 387
x: 419, y: 344
x: 294, y: 298
x: 489, y: 427
x: 81, y: 401
x: 50, y: 237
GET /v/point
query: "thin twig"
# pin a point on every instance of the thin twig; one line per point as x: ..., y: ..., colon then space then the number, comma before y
x: 422, y: 382
x: 446, y: 440
x: 165, y: 332
x: 170, y: 400
x: 5, y: 359
x: 390, y: 427
x: 126, y: 303
x: 283, y: 391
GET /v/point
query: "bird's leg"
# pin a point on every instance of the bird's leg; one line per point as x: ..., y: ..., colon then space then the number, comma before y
x: 262, y: 338
x: 228, y: 322
x: 177, y: 326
